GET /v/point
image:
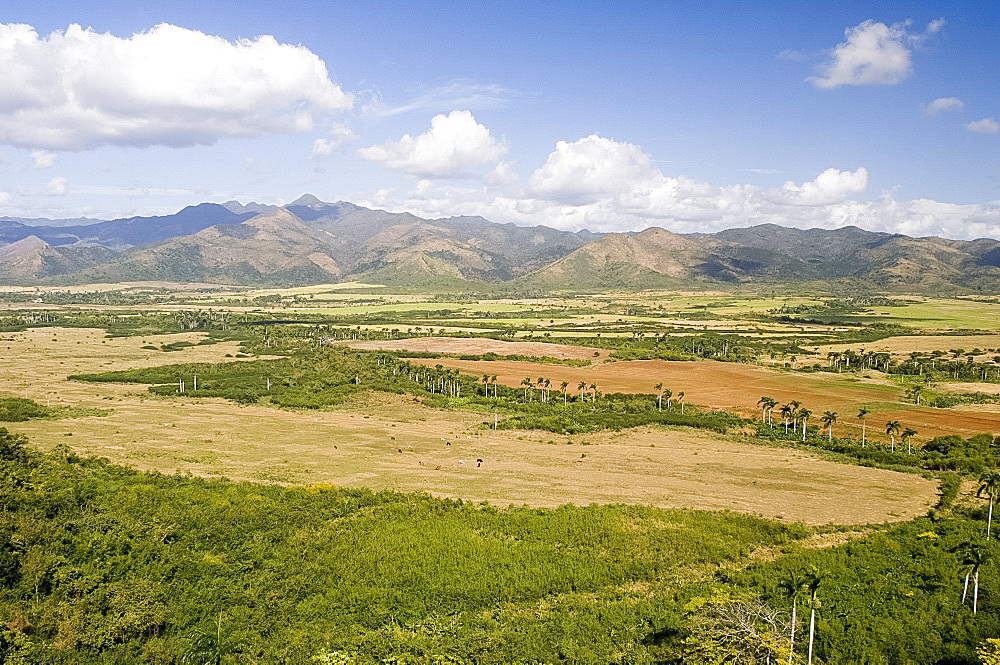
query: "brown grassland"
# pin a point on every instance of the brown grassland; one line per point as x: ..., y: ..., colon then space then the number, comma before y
x: 393, y: 442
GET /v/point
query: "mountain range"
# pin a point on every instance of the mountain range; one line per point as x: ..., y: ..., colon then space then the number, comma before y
x: 312, y: 241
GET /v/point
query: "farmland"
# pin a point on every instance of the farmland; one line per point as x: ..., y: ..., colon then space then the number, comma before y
x: 350, y: 394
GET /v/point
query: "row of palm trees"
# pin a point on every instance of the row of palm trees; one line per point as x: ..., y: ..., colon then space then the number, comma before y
x: 794, y: 412
x: 662, y: 392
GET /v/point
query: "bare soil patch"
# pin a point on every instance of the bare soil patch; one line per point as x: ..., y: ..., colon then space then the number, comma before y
x: 737, y: 387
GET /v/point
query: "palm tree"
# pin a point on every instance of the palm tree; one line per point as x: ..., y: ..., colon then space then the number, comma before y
x: 526, y: 382
x: 795, y: 413
x: 862, y: 412
x: 892, y: 428
x: 829, y: 418
x: 792, y: 586
x: 593, y: 391
x: 804, y: 416
x: 977, y: 559
x: 989, y: 482
x: 668, y: 393
x: 907, y: 436
x: 762, y: 403
x: 563, y: 386
x: 541, y: 385
x: 968, y: 554
x: 210, y: 647
x: 493, y: 380
x: 486, y: 383
x: 786, y: 413
x: 680, y: 398
x: 771, y: 403
x: 813, y: 579
x: 581, y: 387
x: 659, y: 395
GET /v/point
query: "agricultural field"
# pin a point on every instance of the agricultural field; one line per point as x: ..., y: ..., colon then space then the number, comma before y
x: 373, y: 406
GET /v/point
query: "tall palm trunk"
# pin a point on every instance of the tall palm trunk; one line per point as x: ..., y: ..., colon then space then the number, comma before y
x: 975, y: 594
x: 812, y: 633
x: 965, y: 588
x: 791, y: 640
x: 862, y: 433
x: 989, y: 519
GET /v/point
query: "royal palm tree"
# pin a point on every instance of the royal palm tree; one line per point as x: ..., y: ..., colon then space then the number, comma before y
x: 659, y: 395
x: 563, y: 386
x: 804, y: 416
x: 829, y: 418
x: 786, y: 413
x: 582, y: 386
x: 680, y: 398
x: 493, y: 380
x: 977, y: 559
x: 792, y: 585
x: 989, y: 482
x: 486, y: 383
x: 907, y: 436
x: 813, y: 579
x: 968, y: 555
x: 771, y: 403
x: 526, y: 382
x: 892, y: 428
x: 795, y: 413
x: 862, y: 412
x: 762, y: 403
x: 668, y: 393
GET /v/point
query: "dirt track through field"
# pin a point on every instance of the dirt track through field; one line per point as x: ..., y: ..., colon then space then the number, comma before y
x: 392, y: 442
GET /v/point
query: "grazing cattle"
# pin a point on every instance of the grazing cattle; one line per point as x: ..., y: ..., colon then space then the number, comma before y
x: 479, y: 463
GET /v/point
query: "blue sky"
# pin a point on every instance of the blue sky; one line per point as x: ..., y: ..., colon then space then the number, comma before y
x: 693, y: 116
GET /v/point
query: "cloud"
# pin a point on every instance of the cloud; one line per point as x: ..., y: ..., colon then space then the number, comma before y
x: 79, y: 89
x: 874, y: 54
x: 984, y: 126
x: 942, y: 104
x: 830, y: 186
x: 457, y: 94
x: 42, y: 159
x: 57, y: 186
x: 453, y: 148
x: 340, y: 135
x: 585, y: 170
x: 618, y: 189
x: 4, y: 198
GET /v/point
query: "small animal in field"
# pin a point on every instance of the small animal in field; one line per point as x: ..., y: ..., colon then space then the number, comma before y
x: 437, y: 468
x: 479, y: 463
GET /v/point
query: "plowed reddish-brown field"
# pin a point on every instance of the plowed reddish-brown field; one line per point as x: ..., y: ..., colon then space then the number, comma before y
x: 738, y: 387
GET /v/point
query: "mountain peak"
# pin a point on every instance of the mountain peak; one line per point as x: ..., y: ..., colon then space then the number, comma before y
x: 307, y: 200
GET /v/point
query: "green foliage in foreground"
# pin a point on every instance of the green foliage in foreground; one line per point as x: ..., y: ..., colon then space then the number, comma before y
x: 99, y: 564
x: 894, y: 597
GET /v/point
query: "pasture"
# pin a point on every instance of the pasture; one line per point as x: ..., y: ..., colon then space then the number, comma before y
x: 392, y: 442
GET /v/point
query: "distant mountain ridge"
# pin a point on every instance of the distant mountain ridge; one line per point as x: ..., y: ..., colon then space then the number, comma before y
x: 310, y: 241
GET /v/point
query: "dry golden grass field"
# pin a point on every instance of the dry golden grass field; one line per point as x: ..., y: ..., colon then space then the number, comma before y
x: 392, y: 442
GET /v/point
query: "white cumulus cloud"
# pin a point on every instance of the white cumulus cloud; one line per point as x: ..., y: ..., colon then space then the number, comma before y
x: 942, y: 104
x: 584, y: 170
x: 874, y: 54
x: 454, y: 147
x: 58, y: 186
x: 830, y: 186
x: 78, y: 89
x: 42, y: 159
x: 984, y: 126
x: 340, y: 135
x: 606, y: 185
